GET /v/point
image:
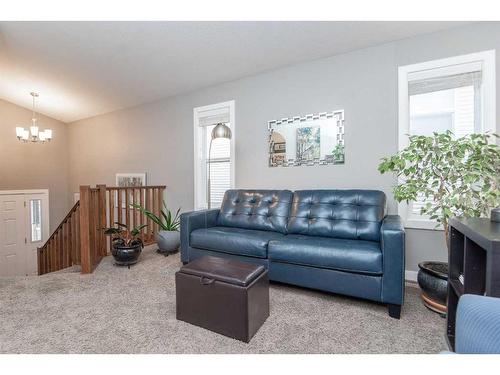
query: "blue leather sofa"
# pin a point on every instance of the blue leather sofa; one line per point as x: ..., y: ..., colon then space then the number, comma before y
x: 339, y: 241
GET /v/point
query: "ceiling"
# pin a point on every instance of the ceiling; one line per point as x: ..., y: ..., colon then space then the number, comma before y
x: 83, y: 69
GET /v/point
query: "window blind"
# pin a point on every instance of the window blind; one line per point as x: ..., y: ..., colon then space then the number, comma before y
x: 416, y: 206
x: 220, y: 166
x: 213, y: 117
x: 220, y: 181
x: 466, y: 117
x: 423, y: 86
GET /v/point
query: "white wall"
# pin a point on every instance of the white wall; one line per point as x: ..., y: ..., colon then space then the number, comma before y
x: 158, y: 137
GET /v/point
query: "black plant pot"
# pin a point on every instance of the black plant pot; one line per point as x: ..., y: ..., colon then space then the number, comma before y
x: 433, y: 280
x: 126, y: 255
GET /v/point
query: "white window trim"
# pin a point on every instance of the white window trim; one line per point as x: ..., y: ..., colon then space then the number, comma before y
x: 446, y: 66
x: 199, y: 203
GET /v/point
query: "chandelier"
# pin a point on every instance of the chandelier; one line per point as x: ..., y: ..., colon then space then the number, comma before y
x: 34, y: 134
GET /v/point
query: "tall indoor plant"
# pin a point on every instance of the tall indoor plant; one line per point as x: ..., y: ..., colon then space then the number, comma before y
x: 168, y: 237
x: 454, y: 176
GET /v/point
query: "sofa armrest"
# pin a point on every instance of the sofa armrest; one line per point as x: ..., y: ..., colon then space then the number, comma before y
x: 478, y: 325
x: 392, y: 243
x: 191, y: 221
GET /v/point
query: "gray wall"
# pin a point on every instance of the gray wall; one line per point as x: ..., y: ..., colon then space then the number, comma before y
x: 158, y: 137
x: 35, y: 166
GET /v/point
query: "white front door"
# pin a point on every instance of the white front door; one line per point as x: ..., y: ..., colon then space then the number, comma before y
x: 12, y: 235
x: 23, y: 228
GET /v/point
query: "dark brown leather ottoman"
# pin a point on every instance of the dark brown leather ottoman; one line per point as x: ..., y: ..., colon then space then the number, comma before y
x: 225, y: 296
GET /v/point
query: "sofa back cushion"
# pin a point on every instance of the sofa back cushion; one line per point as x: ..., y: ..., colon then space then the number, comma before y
x: 256, y: 209
x: 350, y: 214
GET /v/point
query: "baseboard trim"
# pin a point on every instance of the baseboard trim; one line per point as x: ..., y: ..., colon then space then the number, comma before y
x: 411, y: 276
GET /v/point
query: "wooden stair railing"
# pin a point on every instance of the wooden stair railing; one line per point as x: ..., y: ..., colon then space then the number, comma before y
x: 62, y: 249
x: 119, y: 200
x: 80, y: 239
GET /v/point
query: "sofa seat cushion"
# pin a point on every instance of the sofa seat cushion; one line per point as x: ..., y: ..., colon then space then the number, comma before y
x: 339, y: 254
x: 236, y: 241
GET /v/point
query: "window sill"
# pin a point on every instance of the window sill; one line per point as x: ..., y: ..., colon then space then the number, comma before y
x: 422, y: 224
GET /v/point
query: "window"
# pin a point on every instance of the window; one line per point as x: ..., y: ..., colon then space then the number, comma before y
x: 456, y: 94
x: 218, y: 159
x: 439, y: 106
x: 36, y: 219
x: 449, y: 109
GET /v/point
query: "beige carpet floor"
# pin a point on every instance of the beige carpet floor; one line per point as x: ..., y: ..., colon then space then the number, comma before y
x: 120, y: 310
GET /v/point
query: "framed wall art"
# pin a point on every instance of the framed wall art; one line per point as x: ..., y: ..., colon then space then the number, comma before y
x: 308, y: 140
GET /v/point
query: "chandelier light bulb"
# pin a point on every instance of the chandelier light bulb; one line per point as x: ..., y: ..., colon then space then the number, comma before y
x: 34, y: 131
x: 26, y: 135
x: 42, y: 136
x: 19, y: 132
x: 48, y: 134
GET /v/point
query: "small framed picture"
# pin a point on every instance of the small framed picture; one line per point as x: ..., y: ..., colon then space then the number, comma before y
x: 130, y: 179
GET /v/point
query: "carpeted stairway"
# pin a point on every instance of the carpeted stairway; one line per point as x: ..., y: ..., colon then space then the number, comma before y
x: 117, y: 310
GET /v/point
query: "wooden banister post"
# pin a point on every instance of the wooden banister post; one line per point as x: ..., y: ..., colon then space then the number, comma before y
x: 160, y: 202
x: 102, y: 220
x: 39, y: 260
x: 85, y: 257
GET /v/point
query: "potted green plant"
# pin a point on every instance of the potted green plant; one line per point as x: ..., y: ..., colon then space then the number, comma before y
x: 168, y: 237
x: 338, y: 154
x: 126, y: 244
x: 455, y: 177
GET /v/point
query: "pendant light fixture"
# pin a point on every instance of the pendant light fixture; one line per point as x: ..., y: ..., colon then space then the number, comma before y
x: 33, y: 134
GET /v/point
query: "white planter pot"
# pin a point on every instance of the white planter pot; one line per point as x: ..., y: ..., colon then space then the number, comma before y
x: 168, y: 241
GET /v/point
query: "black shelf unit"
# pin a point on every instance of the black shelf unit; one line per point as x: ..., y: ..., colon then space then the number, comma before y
x: 474, y: 254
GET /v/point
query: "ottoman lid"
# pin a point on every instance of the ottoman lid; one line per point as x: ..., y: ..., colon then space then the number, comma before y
x: 225, y: 270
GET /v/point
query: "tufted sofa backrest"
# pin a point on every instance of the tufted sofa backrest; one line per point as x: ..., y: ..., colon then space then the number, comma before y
x: 349, y: 214
x: 256, y: 209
